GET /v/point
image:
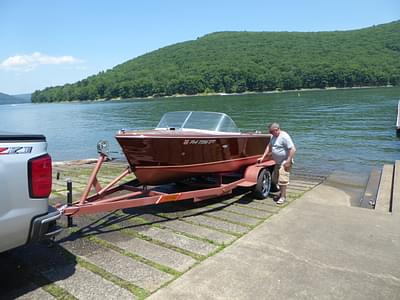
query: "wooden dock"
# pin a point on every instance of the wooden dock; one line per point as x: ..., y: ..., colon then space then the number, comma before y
x: 383, y: 189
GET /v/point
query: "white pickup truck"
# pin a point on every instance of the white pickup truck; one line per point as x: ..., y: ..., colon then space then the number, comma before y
x: 25, y: 185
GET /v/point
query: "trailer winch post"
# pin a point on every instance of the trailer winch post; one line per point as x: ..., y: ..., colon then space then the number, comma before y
x: 93, y: 179
x: 69, y: 201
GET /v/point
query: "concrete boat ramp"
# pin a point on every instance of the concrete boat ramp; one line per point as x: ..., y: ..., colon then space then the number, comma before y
x: 322, y: 244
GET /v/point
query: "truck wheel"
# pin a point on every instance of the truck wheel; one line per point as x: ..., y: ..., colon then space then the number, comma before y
x: 263, y: 186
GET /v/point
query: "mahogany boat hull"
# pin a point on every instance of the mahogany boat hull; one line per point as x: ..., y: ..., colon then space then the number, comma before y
x: 158, y: 157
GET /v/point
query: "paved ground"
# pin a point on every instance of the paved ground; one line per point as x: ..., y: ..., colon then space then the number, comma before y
x: 133, y: 253
x: 319, y: 247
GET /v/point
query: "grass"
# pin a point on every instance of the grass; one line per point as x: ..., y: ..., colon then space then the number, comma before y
x: 57, y: 292
x: 244, y: 214
x: 136, y: 234
x: 135, y: 256
x: 189, y: 235
x: 196, y: 256
x: 232, y: 221
x: 236, y: 234
x: 137, y: 291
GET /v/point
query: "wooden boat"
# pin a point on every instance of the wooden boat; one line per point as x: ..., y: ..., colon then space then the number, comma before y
x: 188, y: 144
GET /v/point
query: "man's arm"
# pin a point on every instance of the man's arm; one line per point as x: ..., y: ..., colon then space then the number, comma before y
x: 289, y: 160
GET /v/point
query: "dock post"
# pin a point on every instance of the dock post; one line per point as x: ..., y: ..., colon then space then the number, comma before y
x: 69, y: 201
x: 398, y: 120
x: 396, y: 189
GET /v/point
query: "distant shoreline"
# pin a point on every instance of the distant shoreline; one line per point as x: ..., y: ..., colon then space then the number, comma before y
x: 226, y: 94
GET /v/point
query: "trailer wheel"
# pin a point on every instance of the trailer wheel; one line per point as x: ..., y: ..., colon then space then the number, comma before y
x: 263, y: 186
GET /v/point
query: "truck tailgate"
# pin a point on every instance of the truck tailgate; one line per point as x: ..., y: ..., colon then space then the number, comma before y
x: 17, y: 207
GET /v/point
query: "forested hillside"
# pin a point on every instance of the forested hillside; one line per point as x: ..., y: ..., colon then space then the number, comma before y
x: 232, y: 62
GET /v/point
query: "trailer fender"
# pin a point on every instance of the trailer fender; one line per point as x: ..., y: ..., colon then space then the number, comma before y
x: 251, y: 173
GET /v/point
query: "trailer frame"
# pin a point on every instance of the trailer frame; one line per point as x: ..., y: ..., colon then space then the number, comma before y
x: 132, y: 194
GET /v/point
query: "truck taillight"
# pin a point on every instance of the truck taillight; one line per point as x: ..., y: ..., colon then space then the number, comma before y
x: 39, y: 174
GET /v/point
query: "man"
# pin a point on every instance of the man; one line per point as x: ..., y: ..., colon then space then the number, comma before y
x: 282, y: 149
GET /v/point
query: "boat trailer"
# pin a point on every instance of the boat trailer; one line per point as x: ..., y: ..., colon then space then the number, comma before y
x: 132, y: 194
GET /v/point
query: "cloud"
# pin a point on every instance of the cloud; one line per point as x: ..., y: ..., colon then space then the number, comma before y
x: 29, y: 62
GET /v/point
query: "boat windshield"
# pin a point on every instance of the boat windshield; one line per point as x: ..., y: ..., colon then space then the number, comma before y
x: 197, y: 120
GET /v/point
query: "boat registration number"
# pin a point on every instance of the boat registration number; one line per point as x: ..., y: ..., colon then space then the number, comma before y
x: 199, y: 142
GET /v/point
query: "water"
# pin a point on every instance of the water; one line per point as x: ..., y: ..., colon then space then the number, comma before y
x: 349, y: 130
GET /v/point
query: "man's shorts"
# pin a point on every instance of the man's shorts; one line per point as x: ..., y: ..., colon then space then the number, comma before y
x: 280, y: 175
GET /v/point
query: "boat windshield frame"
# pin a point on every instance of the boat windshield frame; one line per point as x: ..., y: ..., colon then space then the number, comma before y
x: 197, y: 121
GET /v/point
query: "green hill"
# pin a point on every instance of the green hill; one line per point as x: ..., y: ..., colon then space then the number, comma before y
x: 232, y: 62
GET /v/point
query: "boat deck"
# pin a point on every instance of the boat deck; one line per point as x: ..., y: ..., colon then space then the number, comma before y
x: 186, y: 133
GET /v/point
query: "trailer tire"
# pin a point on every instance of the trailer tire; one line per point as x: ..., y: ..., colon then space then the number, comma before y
x: 263, y: 186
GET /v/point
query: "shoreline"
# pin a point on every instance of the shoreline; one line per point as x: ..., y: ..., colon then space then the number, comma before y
x: 225, y: 94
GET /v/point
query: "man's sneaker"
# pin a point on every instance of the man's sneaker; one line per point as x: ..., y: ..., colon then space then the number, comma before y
x: 281, y: 200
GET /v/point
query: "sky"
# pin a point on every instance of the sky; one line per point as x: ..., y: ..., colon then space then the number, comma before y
x: 46, y: 43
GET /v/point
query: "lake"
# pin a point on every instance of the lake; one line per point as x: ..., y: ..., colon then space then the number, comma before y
x: 350, y: 130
